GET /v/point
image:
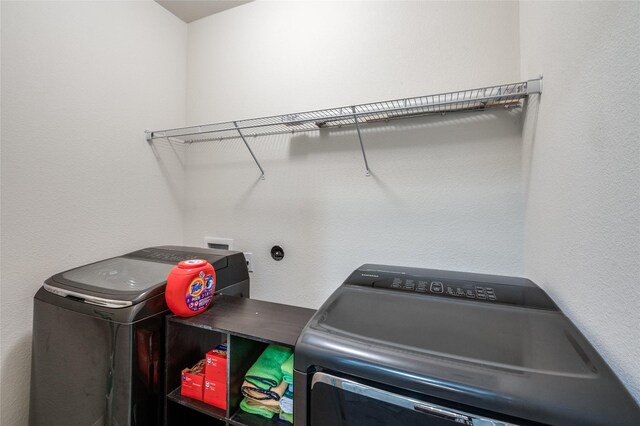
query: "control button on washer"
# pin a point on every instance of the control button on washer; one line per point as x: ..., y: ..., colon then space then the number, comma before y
x: 437, y: 287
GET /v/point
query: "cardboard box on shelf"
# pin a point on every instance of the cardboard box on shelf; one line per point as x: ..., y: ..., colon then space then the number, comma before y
x: 193, y: 381
x: 216, y: 368
x: 215, y: 393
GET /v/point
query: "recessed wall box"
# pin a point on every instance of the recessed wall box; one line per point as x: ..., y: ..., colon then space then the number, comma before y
x: 218, y: 243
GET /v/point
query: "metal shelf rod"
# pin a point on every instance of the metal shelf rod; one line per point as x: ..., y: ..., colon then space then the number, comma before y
x: 250, y: 152
x: 366, y: 164
x: 315, y: 129
x: 323, y: 118
x: 496, y: 97
x: 506, y: 95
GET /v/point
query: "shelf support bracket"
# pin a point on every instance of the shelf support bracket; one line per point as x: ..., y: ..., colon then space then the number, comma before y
x: 364, y: 156
x: 249, y: 148
x: 534, y: 86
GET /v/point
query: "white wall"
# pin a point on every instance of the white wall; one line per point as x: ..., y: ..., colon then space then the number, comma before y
x: 81, y: 80
x: 80, y: 83
x: 582, y: 221
x: 446, y: 191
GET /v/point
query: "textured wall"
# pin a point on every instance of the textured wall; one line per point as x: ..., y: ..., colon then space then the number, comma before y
x: 582, y: 170
x: 80, y: 83
x: 81, y: 80
x: 446, y: 192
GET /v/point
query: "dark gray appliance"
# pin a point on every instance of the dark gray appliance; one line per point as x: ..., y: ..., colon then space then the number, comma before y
x: 408, y: 346
x: 98, y: 336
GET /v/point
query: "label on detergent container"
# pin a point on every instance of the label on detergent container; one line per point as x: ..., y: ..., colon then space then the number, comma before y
x: 200, y: 292
x: 190, y: 287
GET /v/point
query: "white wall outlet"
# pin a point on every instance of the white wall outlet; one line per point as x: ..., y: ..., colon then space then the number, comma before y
x: 249, y: 258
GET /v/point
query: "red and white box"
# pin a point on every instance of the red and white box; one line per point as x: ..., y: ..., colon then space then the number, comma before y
x: 216, y: 368
x: 193, y: 381
x: 215, y: 393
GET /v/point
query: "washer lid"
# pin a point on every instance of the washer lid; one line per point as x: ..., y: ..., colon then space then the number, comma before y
x: 119, y: 278
x: 500, y: 336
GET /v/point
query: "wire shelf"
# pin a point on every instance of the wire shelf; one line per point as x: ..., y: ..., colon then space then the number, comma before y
x: 503, y: 96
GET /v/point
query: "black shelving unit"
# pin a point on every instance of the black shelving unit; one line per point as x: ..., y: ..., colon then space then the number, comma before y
x: 247, y: 326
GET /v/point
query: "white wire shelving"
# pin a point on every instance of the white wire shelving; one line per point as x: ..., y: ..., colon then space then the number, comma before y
x: 503, y: 96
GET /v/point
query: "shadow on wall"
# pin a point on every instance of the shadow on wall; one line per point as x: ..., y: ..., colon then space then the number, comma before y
x: 170, y: 156
x: 15, y: 383
x: 408, y: 133
x: 529, y: 126
x: 429, y: 131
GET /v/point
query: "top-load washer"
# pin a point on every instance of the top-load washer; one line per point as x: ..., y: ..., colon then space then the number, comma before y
x: 409, y: 346
x: 98, y: 336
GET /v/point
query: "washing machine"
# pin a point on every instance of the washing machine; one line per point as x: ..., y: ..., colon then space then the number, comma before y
x: 98, y: 336
x: 412, y: 347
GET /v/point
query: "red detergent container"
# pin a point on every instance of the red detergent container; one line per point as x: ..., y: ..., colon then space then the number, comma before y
x: 190, y: 287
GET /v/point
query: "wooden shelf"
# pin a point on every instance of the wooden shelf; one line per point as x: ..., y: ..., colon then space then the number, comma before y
x: 255, y: 319
x: 241, y: 418
x: 248, y: 326
x: 194, y: 404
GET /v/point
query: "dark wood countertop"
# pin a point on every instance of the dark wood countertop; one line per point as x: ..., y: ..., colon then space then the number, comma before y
x: 256, y: 319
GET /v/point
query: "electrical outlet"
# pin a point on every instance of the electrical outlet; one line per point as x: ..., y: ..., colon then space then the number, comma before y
x: 249, y: 259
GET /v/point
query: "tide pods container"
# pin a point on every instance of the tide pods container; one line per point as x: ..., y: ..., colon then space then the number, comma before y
x: 190, y: 287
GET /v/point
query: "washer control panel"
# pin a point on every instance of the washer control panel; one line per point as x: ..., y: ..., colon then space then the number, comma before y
x: 439, y: 287
x: 452, y: 284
